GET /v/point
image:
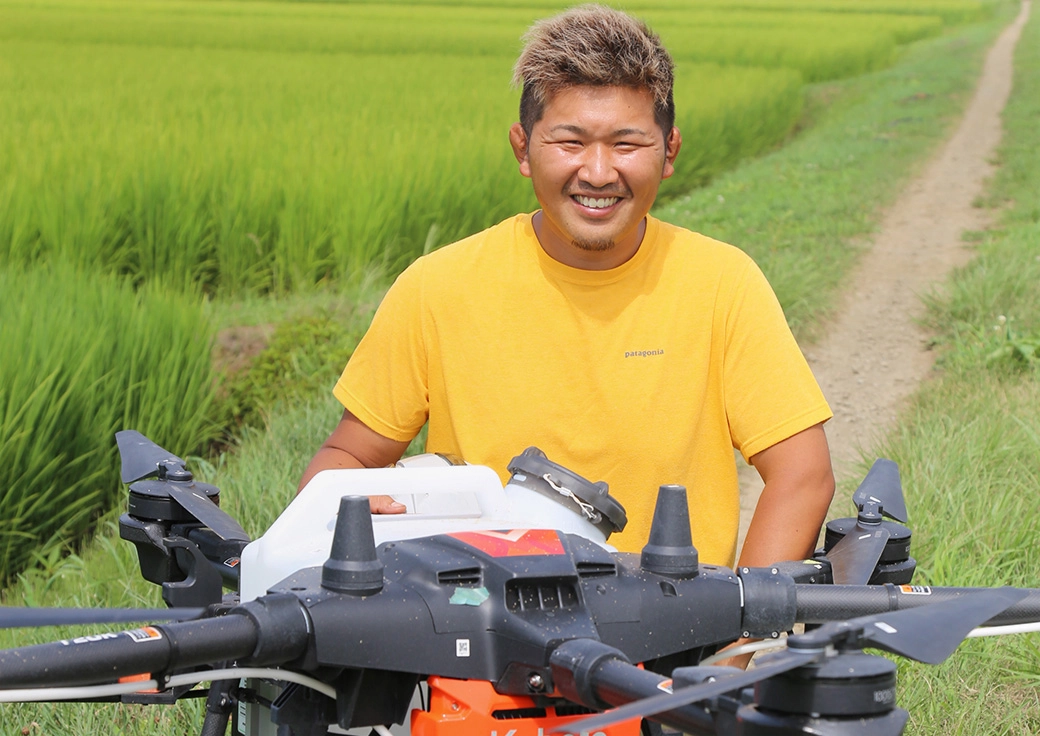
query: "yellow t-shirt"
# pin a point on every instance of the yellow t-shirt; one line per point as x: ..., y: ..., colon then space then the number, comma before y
x: 645, y: 374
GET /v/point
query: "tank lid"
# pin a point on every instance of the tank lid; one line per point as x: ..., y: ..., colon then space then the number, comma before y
x: 591, y: 500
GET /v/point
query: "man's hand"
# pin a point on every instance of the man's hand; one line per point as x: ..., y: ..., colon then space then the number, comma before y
x: 741, y: 660
x: 385, y: 505
x: 353, y: 444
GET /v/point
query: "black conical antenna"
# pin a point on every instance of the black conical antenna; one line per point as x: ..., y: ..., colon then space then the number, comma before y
x: 670, y: 550
x: 353, y: 566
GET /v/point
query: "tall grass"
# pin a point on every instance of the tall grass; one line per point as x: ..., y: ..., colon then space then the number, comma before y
x: 818, y: 56
x: 85, y: 357
x: 193, y: 168
x: 259, y: 147
x: 730, y: 22
x: 951, y: 11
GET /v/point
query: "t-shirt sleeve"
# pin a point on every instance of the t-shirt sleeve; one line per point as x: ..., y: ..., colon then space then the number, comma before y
x: 385, y: 381
x: 770, y: 391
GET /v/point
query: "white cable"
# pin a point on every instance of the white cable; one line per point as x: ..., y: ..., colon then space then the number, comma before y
x: 37, y: 694
x: 235, y: 673
x: 586, y: 508
x: 382, y: 730
x: 1004, y: 630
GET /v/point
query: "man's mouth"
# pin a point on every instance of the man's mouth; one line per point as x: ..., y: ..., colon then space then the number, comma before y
x: 596, y: 203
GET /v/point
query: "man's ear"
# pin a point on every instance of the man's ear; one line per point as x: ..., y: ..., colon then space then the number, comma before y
x: 518, y: 140
x: 672, y: 144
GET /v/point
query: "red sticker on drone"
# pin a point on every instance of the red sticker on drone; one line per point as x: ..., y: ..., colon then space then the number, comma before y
x: 915, y: 589
x: 513, y: 543
x: 148, y: 633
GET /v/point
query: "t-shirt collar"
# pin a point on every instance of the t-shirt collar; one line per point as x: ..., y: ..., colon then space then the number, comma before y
x: 587, y: 276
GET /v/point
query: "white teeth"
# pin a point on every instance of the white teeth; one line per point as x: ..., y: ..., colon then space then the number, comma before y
x: 596, y: 203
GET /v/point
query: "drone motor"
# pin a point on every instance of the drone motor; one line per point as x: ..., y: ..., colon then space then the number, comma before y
x: 895, y: 565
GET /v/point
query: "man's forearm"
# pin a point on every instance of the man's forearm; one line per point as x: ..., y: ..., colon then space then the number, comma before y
x: 799, y: 486
x: 352, y: 445
x: 786, y: 526
x: 787, y: 522
x: 328, y: 458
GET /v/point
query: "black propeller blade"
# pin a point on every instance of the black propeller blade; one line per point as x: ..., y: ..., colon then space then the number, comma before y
x: 854, y: 558
x: 927, y: 634
x: 140, y: 457
x: 17, y: 618
x: 883, y: 486
x: 684, y: 696
x: 202, y: 508
x: 932, y: 633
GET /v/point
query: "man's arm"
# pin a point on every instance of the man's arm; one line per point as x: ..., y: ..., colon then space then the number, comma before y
x: 799, y: 486
x: 353, y: 444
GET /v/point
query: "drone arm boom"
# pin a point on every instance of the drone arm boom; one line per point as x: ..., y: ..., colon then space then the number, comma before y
x: 273, y: 629
x: 108, y: 657
x: 597, y: 675
x: 817, y: 604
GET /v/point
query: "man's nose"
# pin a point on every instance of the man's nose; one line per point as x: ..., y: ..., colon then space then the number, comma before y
x: 597, y: 169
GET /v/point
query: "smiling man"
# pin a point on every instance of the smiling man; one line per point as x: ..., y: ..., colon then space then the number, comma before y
x: 629, y: 350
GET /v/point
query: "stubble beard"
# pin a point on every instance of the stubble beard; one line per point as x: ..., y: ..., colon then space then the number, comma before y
x: 593, y: 246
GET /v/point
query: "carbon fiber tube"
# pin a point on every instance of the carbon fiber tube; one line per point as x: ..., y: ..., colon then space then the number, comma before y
x: 592, y: 673
x: 817, y: 604
x: 618, y: 683
x: 107, y: 657
x: 218, y: 709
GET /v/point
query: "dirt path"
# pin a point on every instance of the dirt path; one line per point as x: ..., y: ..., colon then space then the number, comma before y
x: 874, y: 353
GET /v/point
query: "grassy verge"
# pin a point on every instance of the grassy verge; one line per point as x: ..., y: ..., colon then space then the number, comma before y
x: 969, y: 448
x: 778, y: 207
x: 804, y: 211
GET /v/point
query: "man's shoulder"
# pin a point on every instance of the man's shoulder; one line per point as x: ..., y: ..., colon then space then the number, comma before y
x: 687, y: 244
x: 473, y: 265
x: 492, y: 242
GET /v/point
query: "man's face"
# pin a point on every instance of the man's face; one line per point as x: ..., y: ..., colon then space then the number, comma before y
x: 596, y: 159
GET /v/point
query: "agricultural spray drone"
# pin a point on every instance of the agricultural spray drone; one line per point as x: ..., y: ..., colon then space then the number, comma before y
x: 497, y: 611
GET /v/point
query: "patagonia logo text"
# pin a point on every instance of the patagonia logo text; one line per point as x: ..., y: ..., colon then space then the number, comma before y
x: 643, y: 353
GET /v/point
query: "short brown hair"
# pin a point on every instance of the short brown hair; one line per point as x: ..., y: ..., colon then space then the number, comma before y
x: 596, y: 46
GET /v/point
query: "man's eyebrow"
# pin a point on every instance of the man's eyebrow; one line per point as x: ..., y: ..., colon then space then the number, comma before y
x: 631, y: 131
x: 578, y: 130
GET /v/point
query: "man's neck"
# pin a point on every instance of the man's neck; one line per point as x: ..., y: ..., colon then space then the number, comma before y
x: 558, y: 247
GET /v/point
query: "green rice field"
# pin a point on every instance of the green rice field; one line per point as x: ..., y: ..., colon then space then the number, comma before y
x: 215, y: 151
x: 245, y: 147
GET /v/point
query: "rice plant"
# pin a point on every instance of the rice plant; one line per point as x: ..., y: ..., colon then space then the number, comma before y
x: 86, y: 356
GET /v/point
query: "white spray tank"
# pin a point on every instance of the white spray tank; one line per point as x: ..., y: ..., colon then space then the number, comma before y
x: 441, y: 494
